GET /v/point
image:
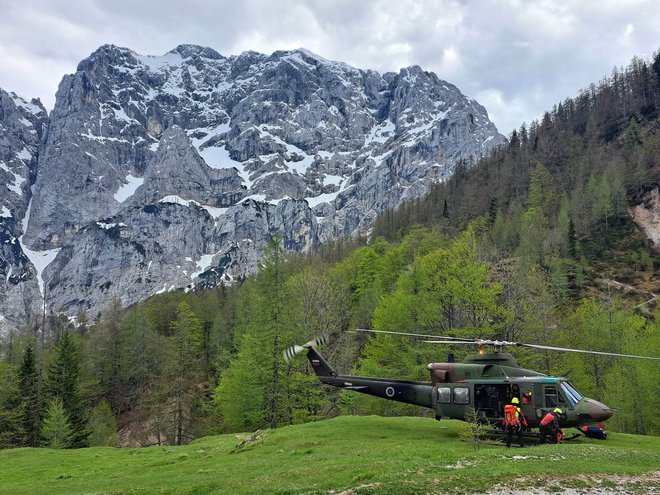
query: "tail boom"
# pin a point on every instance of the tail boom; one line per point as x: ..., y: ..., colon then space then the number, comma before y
x: 409, y: 392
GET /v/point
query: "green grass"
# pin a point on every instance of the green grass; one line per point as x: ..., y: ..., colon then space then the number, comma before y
x: 368, y: 455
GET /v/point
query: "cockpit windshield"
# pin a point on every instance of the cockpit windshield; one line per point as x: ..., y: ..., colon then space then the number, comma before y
x: 571, y: 393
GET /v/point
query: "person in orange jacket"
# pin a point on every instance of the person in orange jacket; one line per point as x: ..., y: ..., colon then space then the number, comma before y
x: 550, y: 426
x: 514, y: 420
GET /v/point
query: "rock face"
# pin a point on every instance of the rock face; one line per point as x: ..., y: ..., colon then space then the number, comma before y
x: 167, y: 172
x: 646, y: 213
x: 22, y: 125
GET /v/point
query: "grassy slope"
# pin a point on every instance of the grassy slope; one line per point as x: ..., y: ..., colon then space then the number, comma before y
x: 380, y: 455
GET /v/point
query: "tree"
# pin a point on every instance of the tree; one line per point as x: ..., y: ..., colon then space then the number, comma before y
x: 271, y: 279
x: 240, y: 395
x: 445, y: 291
x: 631, y: 385
x: 186, y: 371
x: 535, y: 237
x: 28, y: 376
x: 106, y: 345
x: 253, y: 381
x: 453, y: 293
x: 11, y: 431
x: 318, y: 306
x: 473, y: 431
x: 142, y: 373
x: 57, y: 431
x: 542, y: 191
x: 102, y: 426
x: 63, y: 382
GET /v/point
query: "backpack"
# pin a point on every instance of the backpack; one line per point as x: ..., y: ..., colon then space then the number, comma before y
x: 547, y: 419
x: 510, y: 416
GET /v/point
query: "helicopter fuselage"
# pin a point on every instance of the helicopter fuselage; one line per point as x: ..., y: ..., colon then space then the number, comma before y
x: 485, y: 383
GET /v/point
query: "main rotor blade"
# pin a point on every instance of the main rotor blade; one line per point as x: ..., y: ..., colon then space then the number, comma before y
x: 458, y: 339
x: 498, y: 343
x: 451, y: 342
x: 599, y: 353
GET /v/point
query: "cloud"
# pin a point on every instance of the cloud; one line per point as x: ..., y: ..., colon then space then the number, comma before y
x: 517, y: 57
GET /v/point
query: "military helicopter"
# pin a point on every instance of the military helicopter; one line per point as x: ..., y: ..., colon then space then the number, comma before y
x: 485, y: 382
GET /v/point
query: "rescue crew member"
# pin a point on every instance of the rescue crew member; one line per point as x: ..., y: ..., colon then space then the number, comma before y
x: 594, y: 431
x: 550, y: 426
x: 514, y: 420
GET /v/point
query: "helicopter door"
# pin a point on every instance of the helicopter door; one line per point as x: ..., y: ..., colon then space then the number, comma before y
x: 490, y: 399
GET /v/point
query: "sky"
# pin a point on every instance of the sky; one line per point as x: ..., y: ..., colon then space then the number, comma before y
x: 516, y: 57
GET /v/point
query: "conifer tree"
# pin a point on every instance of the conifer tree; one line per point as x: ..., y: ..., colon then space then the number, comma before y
x: 260, y: 349
x: 107, y: 343
x: 271, y: 279
x: 102, y: 426
x: 63, y: 382
x: 57, y: 432
x: 11, y: 431
x: 186, y: 371
x: 240, y: 395
x: 29, y: 393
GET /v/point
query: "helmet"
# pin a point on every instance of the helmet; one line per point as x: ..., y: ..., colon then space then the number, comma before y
x: 558, y: 410
x: 515, y: 400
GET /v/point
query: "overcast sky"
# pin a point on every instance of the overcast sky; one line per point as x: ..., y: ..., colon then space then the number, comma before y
x: 516, y: 57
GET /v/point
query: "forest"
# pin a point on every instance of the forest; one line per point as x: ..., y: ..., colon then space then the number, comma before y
x: 533, y: 243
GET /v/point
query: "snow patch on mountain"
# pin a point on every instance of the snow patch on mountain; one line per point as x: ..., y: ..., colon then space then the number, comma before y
x: 39, y: 259
x: 215, y: 212
x: 127, y: 190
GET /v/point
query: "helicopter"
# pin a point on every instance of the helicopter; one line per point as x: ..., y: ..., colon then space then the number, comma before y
x: 484, y: 382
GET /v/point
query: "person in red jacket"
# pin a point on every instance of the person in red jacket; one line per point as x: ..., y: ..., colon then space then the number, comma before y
x: 514, y: 420
x: 550, y: 426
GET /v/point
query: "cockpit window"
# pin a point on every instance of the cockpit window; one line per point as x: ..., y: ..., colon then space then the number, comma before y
x: 571, y: 393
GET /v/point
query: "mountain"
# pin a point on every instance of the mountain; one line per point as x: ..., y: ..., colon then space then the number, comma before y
x: 22, y: 126
x: 159, y: 173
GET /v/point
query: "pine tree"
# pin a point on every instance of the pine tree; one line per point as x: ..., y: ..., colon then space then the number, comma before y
x: 29, y: 392
x: 271, y: 278
x: 57, y: 431
x: 241, y: 394
x: 106, y: 344
x: 102, y: 426
x: 63, y: 382
x: 11, y: 431
x: 186, y: 371
x: 253, y: 381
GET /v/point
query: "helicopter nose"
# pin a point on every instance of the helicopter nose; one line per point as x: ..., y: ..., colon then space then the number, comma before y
x: 598, y: 411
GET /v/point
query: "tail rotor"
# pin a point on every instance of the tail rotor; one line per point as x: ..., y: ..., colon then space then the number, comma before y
x: 294, y: 350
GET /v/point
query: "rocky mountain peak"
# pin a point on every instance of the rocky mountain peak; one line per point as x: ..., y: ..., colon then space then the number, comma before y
x: 173, y: 171
x: 193, y: 51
